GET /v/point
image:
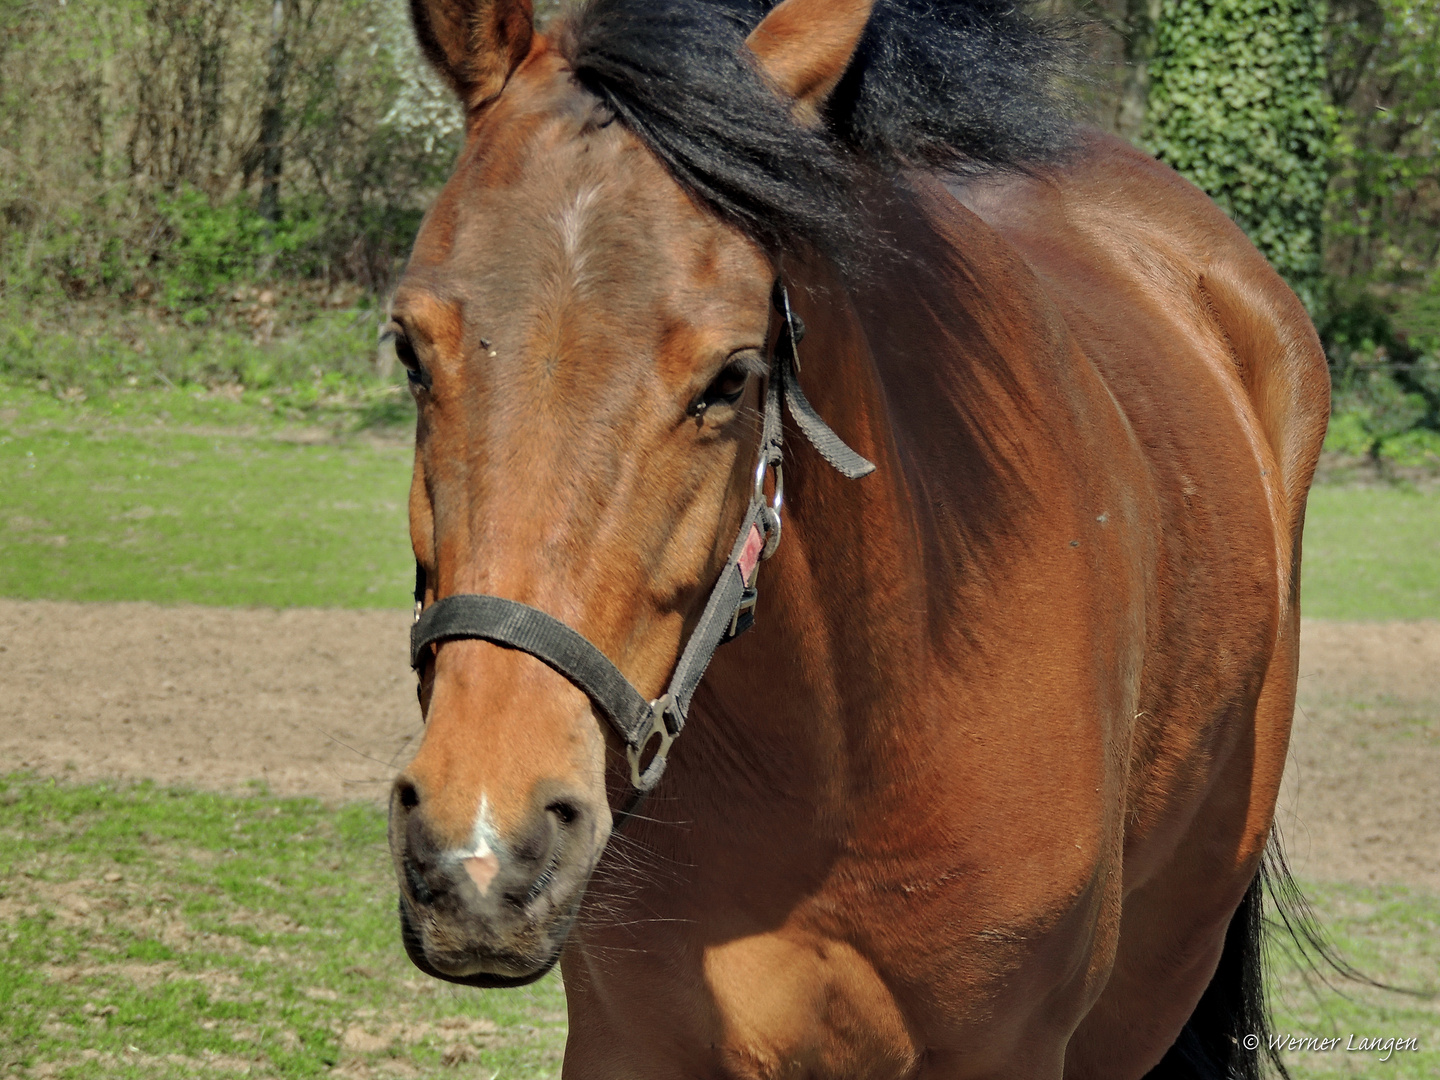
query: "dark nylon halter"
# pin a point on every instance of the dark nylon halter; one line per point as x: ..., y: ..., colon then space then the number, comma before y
x: 729, y: 612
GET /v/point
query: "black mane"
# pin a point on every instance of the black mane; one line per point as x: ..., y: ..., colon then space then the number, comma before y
x: 961, y: 86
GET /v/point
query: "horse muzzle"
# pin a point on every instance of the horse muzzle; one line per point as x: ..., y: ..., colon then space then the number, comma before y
x: 500, y: 918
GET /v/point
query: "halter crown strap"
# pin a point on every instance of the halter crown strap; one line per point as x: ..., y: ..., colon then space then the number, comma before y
x: 819, y: 434
x: 729, y: 611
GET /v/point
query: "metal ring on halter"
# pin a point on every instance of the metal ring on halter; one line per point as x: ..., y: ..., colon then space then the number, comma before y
x: 656, y: 725
x: 767, y: 464
x: 770, y: 512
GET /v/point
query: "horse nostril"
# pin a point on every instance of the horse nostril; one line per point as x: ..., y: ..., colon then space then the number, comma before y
x: 565, y: 812
x: 409, y: 794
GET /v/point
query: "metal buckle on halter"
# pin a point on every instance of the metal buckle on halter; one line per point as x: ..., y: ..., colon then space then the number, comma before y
x: 744, y: 617
x: 769, y: 524
x: 656, y: 724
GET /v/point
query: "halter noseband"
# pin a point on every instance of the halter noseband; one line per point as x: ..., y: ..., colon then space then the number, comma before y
x: 729, y: 612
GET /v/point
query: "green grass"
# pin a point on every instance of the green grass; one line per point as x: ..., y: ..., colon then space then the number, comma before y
x: 183, y: 497
x: 188, y: 495
x: 289, y: 357
x: 1392, y: 935
x: 151, y: 932
x: 1372, y: 552
x: 147, y: 932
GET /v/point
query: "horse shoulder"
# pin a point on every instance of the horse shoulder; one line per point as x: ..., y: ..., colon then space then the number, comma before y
x: 1216, y: 367
x: 1148, y: 269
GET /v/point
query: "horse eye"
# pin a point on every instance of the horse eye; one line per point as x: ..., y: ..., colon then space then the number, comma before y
x: 405, y: 353
x: 725, y: 389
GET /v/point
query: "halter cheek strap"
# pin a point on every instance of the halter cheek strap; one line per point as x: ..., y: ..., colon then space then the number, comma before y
x: 729, y: 611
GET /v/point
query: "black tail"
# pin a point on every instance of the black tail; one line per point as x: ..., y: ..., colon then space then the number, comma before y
x: 1219, y: 1041
x: 1228, y: 1035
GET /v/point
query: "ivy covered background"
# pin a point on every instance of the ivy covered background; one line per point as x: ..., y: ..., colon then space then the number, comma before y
x: 1237, y: 104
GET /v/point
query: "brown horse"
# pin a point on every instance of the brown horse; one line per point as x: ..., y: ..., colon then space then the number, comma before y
x: 981, y: 792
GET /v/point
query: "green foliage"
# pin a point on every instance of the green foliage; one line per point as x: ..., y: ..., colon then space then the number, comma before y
x: 1382, y: 331
x: 1384, y: 353
x: 1383, y: 218
x: 213, y: 246
x: 285, y: 344
x: 149, y: 932
x: 1237, y: 105
x: 1370, y: 395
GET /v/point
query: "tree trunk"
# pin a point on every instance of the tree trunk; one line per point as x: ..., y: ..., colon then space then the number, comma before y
x: 1141, y: 18
x: 272, y: 114
x: 210, y: 75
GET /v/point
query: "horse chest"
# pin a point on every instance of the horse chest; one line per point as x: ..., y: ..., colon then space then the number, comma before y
x: 793, y: 1004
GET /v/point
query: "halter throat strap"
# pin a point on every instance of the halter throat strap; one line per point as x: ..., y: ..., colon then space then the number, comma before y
x: 729, y: 611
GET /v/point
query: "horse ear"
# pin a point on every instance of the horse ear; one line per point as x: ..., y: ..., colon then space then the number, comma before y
x: 474, y: 44
x: 804, y: 47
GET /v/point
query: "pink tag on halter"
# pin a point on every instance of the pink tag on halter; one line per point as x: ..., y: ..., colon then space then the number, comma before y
x: 750, y: 555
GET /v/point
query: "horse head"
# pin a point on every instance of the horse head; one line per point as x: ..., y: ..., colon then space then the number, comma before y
x: 587, y: 343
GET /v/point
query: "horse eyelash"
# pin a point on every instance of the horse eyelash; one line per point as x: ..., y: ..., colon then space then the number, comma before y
x: 752, y: 362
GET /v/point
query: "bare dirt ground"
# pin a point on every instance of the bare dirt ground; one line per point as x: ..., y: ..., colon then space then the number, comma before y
x: 322, y: 703
x: 1361, y: 800
x: 311, y: 702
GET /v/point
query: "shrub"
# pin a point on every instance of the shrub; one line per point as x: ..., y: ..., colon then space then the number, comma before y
x: 1237, y: 104
x: 133, y: 147
x: 1385, y: 371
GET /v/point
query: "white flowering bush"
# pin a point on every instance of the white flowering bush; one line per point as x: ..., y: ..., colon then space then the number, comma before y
x: 424, y: 108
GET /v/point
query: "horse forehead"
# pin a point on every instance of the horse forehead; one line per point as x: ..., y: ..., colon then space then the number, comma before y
x: 583, y: 289
x: 549, y: 162
x: 556, y: 242
x: 568, y: 230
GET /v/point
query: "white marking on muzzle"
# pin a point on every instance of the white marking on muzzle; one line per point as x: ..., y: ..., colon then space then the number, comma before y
x: 482, y: 859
